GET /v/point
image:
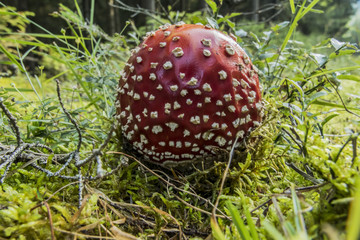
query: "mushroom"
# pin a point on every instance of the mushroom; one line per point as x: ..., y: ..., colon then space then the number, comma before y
x: 185, y: 90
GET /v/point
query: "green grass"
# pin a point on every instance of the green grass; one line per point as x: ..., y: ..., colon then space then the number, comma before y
x: 297, y: 178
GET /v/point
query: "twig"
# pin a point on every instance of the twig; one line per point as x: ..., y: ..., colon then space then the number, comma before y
x: 301, y: 149
x: 68, y: 115
x: 75, y: 234
x: 11, y: 159
x: 287, y: 192
x: 231, y: 154
x: 39, y: 145
x: 17, y: 153
x: 336, y: 89
x: 306, y: 189
x: 261, y: 205
x: 81, y: 186
x: 198, y: 209
x: 341, y: 99
x: 50, y: 221
x: 71, y: 156
x: 304, y: 174
x: 97, y: 152
x: 90, y: 178
x: 350, y: 139
x: 12, y: 121
x: 49, y: 173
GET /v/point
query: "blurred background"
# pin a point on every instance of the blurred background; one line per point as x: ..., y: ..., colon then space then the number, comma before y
x: 338, y: 19
x: 341, y: 18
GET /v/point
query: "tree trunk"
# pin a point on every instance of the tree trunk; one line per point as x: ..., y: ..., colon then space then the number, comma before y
x: 203, y: 5
x: 149, y: 4
x: 184, y: 5
x: 255, y: 9
x: 86, y: 9
x: 112, y: 17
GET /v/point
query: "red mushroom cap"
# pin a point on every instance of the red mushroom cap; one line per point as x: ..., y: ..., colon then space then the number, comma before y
x: 186, y: 89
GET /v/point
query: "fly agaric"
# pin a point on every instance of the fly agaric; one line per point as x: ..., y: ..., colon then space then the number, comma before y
x: 185, y: 90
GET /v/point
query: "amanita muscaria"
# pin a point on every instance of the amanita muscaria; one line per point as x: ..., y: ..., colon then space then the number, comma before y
x: 185, y: 90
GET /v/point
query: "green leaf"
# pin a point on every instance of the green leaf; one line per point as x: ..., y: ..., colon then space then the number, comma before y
x: 292, y: 6
x: 227, y: 17
x: 353, y: 222
x: 333, y: 70
x: 319, y: 58
x: 342, y: 53
x: 299, y: 220
x: 297, y: 86
x: 316, y: 11
x: 316, y: 96
x: 329, y: 104
x: 337, y: 44
x: 309, y: 7
x: 11, y: 57
x: 292, y: 28
x: 212, y: 23
x: 20, y: 89
x: 251, y: 224
x: 270, y: 228
x: 238, y: 222
x: 212, y: 5
x: 328, y: 118
x: 279, y: 26
x: 230, y: 23
x: 355, y: 78
x: 216, y: 231
x: 267, y: 55
x: 301, y: 13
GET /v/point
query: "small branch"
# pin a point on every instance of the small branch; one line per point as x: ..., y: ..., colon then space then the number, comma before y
x: 12, y: 121
x: 231, y: 154
x: 57, y: 173
x: 50, y: 221
x: 306, y: 189
x: 39, y: 145
x: 336, y: 90
x: 301, y: 149
x: 11, y: 159
x: 49, y: 173
x: 68, y: 115
x: 81, y: 186
x: 97, y: 152
x: 304, y: 174
x: 352, y: 138
x: 288, y: 193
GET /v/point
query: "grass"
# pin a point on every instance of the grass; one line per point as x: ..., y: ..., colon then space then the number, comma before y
x: 297, y: 178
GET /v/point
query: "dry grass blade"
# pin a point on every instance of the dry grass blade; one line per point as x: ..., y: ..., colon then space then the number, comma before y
x: 78, y: 212
x: 50, y: 221
x: 90, y: 226
x: 80, y: 235
x: 121, y: 235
